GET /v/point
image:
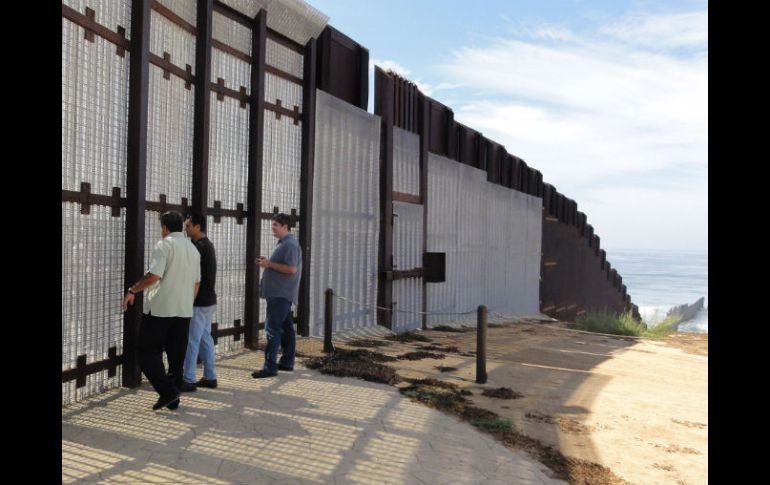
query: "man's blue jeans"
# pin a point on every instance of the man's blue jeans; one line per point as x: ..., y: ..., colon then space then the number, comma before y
x: 279, y: 329
x: 199, y: 339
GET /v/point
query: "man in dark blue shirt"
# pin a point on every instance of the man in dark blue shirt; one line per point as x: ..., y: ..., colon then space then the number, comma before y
x: 280, y: 287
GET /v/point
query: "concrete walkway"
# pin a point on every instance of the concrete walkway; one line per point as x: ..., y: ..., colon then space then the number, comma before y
x: 301, y: 427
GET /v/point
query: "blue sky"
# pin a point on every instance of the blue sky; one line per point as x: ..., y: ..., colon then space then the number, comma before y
x: 609, y: 99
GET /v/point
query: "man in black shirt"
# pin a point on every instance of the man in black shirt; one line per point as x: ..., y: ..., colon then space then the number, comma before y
x: 203, y: 310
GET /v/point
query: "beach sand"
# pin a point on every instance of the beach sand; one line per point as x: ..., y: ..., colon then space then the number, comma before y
x: 638, y: 407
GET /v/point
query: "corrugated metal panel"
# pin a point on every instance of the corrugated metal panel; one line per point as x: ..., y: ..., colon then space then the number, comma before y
x: 187, y: 9
x: 407, y: 254
x: 229, y: 240
x: 345, y: 213
x: 94, y: 127
x: 289, y: 93
x: 442, y: 233
x: 166, y: 36
x: 516, y: 230
x: 228, y: 153
x: 234, y: 71
x: 248, y: 7
x: 293, y: 18
x: 406, y: 162
x: 281, y: 163
x: 94, y: 112
x: 498, y: 294
x: 492, y: 244
x: 93, y: 252
x: 282, y: 151
x: 407, y: 235
x: 283, y: 58
x: 231, y: 33
x: 407, y: 296
x: 471, y: 237
x: 109, y: 13
x: 534, y: 211
x: 169, y: 138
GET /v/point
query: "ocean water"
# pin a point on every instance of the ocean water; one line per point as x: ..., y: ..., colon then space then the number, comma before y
x: 659, y: 280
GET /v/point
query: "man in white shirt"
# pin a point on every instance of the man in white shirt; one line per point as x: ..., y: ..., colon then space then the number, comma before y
x: 172, y: 284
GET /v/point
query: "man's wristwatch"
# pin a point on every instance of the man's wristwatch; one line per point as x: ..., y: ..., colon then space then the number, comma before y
x: 132, y: 292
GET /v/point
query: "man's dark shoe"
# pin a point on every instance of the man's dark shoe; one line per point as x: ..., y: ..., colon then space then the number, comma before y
x: 283, y: 367
x: 171, y: 402
x: 188, y: 387
x: 261, y: 374
x: 212, y: 383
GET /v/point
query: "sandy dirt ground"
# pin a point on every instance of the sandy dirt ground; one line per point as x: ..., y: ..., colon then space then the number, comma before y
x: 638, y: 407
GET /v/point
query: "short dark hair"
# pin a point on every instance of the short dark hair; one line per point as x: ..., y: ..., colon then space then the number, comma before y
x: 172, y: 220
x: 197, y: 220
x: 282, y: 219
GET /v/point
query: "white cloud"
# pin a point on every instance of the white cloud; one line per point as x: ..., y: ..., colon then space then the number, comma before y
x: 595, y: 77
x: 592, y: 113
x: 548, y: 32
x: 447, y: 86
x: 689, y: 29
